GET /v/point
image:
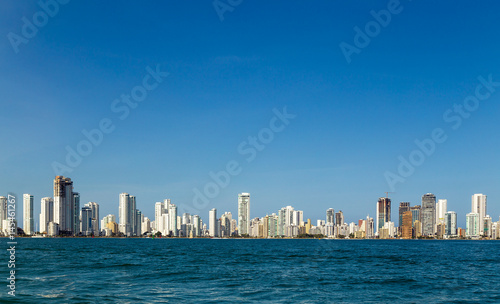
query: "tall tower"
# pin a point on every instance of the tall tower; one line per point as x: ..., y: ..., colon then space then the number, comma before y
x: 75, y: 202
x: 3, y: 209
x: 172, y: 219
x: 212, y: 223
x: 428, y: 214
x: 124, y: 215
x: 46, y: 213
x: 243, y: 213
x: 403, y: 207
x: 64, y: 204
x: 479, y: 207
x: 441, y: 209
x: 28, y: 214
x: 339, y: 218
x: 383, y: 212
x: 472, y: 225
x: 330, y: 216
x: 450, y: 220
x: 86, y: 223
x: 94, y: 207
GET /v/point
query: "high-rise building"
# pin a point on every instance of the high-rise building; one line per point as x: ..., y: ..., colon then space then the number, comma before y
x: 65, y: 213
x: 441, y: 209
x: 472, y: 225
x: 407, y: 225
x: 415, y: 214
x: 138, y: 222
x: 479, y: 207
x: 403, y: 207
x: 94, y: 207
x: 487, y: 225
x: 243, y: 213
x: 46, y: 213
x: 86, y: 220
x: 369, y: 227
x: 110, y: 218
x: 126, y: 214
x: 159, y: 211
x: 428, y: 214
x: 281, y: 221
x: 339, y: 218
x: 417, y: 227
x: 213, y: 223
x: 172, y: 219
x: 28, y: 214
x: 330, y: 216
x: 383, y: 212
x: 3, y: 211
x: 225, y: 224
x: 450, y: 221
x: 76, y: 212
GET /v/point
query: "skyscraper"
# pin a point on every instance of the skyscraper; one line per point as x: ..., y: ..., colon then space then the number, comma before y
x: 212, y: 223
x: 415, y: 214
x: 94, y: 215
x: 339, y: 218
x: 441, y: 209
x: 46, y: 213
x: 3, y: 210
x: 428, y: 214
x: 407, y: 225
x: 383, y: 212
x: 75, y: 202
x: 86, y: 220
x: 450, y: 221
x: 243, y: 213
x: 65, y: 213
x: 403, y: 207
x: 172, y: 219
x: 479, y: 207
x: 125, y: 214
x: 472, y: 225
x: 330, y: 216
x: 159, y: 211
x: 28, y: 214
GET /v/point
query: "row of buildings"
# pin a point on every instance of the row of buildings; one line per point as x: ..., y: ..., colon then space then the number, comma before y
x: 62, y: 215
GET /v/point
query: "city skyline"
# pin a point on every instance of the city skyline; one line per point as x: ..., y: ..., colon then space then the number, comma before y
x: 195, y: 119
x: 432, y: 214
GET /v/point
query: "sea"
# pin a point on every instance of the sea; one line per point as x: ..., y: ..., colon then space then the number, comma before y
x: 163, y: 270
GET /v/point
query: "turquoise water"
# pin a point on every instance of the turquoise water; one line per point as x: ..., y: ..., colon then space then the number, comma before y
x: 247, y: 271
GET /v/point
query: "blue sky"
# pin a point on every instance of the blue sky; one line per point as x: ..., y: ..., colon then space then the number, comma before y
x: 225, y: 78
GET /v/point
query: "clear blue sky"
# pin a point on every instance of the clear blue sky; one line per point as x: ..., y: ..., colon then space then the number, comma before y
x: 352, y: 121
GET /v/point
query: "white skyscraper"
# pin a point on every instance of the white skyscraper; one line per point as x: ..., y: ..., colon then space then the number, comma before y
x: 159, y: 211
x: 125, y: 215
x: 479, y: 207
x: 441, y: 209
x: 243, y: 213
x: 172, y: 219
x: 28, y: 214
x: 213, y: 223
x: 472, y: 225
x: 46, y: 213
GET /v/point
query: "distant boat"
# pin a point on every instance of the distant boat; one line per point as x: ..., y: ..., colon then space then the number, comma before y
x: 38, y: 236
